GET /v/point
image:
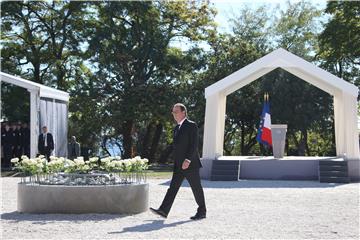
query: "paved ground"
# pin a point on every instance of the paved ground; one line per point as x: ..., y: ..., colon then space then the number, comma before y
x: 241, y: 210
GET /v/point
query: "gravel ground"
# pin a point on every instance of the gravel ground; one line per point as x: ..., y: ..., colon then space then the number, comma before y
x: 241, y: 210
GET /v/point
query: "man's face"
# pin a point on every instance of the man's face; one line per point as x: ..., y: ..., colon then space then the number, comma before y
x: 44, y: 129
x: 178, y: 114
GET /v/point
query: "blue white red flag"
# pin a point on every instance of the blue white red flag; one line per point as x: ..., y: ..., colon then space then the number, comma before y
x: 264, y: 131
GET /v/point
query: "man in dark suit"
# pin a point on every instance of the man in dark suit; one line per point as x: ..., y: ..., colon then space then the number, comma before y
x: 45, y: 143
x: 73, y: 148
x: 25, y: 141
x: 7, y: 141
x: 186, y: 164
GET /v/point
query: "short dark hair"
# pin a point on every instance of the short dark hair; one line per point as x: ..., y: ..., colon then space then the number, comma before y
x: 182, y: 107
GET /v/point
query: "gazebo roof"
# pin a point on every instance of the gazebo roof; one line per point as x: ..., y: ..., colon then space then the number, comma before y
x: 289, y: 62
x: 43, y: 90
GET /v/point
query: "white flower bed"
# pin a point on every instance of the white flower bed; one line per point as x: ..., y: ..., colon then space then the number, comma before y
x: 109, y: 170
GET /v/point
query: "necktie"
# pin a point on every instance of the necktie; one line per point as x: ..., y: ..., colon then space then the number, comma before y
x: 45, y: 142
x: 176, y: 130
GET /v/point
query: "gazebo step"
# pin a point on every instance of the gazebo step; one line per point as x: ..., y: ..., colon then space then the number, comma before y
x: 334, y: 173
x: 334, y: 179
x: 333, y: 162
x: 323, y: 168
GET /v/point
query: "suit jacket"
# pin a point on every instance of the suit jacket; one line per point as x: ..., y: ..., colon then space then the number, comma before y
x: 73, y: 146
x: 185, y: 146
x: 49, y: 140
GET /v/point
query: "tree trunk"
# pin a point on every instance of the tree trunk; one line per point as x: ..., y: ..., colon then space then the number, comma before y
x: 155, y: 142
x: 306, y: 143
x: 127, y: 138
x: 146, y: 140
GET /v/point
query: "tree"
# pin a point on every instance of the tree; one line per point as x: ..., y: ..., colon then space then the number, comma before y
x: 42, y: 37
x: 340, y: 40
x: 131, y: 44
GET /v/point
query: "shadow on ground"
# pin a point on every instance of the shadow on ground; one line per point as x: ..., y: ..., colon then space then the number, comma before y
x: 260, y: 184
x: 46, y: 218
x: 152, y: 225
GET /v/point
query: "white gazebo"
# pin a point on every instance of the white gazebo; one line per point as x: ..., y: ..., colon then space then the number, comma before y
x: 48, y: 107
x: 344, y: 95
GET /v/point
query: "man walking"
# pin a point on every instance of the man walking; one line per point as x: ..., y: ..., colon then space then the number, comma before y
x: 186, y: 164
x: 45, y: 143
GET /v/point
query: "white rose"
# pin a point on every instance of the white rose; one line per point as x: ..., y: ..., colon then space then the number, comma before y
x: 14, y: 160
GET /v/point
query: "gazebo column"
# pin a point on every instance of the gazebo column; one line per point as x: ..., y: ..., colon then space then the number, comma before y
x: 214, y: 127
x: 346, y: 133
x: 34, y: 121
x: 339, y: 125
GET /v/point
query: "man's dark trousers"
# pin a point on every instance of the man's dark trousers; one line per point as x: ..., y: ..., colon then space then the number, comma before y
x: 193, y: 177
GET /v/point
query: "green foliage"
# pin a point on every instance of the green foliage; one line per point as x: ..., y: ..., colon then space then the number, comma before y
x: 339, y: 50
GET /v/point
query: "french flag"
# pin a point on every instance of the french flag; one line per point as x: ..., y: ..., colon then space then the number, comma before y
x: 264, y: 132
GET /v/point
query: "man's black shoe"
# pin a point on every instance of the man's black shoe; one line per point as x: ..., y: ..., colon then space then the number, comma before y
x: 159, y: 212
x: 198, y: 216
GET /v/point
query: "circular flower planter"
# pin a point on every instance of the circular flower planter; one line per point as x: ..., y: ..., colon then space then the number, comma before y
x: 117, y: 199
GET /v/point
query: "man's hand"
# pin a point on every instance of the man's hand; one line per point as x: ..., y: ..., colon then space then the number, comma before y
x: 186, y: 164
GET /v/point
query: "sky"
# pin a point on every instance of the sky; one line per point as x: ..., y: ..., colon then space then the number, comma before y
x: 227, y: 8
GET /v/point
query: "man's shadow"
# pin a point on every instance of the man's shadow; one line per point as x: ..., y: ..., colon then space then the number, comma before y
x: 151, y: 226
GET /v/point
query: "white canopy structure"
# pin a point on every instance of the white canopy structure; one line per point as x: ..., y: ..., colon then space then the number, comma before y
x: 344, y: 95
x: 48, y: 107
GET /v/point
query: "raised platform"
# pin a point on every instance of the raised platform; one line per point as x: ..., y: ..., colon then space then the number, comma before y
x: 119, y: 199
x: 256, y: 167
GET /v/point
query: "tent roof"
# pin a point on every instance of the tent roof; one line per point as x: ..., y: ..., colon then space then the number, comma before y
x: 289, y: 62
x: 43, y: 90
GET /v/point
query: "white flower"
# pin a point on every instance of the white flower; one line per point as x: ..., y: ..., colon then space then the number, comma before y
x: 24, y: 156
x: 52, y: 158
x: 69, y: 162
x: 105, y: 160
x: 41, y: 156
x: 93, y: 159
x: 80, y: 158
x: 14, y: 160
x: 79, y: 161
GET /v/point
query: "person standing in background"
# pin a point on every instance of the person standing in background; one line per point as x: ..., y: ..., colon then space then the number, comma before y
x: 73, y: 148
x: 7, y: 140
x: 25, y: 139
x: 14, y: 140
x: 45, y: 143
x: 18, y: 141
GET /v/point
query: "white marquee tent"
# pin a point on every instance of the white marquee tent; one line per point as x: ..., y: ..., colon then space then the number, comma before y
x: 48, y: 107
x: 344, y: 97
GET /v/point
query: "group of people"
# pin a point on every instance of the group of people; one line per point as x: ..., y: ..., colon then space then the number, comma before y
x: 15, y: 141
